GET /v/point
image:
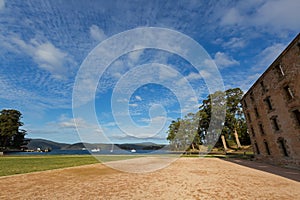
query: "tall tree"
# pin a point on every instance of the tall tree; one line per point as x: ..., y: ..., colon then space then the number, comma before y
x: 235, y: 121
x: 10, y: 133
x: 172, y: 132
x: 183, y: 133
x: 210, y: 126
x: 204, y: 128
x: 234, y: 124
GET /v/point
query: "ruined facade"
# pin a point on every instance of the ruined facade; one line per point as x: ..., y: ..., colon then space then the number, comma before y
x: 272, y: 110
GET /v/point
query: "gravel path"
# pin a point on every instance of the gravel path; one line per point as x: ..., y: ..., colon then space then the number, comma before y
x: 187, y: 178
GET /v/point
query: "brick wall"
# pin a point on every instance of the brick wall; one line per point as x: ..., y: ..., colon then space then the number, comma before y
x: 271, y: 108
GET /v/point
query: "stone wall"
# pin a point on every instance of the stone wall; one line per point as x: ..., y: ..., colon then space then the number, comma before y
x: 271, y: 108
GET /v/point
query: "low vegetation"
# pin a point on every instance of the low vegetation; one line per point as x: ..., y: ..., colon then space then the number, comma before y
x: 10, y: 165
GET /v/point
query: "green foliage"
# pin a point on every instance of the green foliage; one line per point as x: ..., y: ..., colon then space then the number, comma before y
x: 234, y: 118
x: 210, y: 126
x: 11, y: 136
x: 183, y: 133
x: 203, y: 128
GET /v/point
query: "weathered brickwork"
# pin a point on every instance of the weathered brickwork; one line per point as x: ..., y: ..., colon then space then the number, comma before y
x: 272, y: 110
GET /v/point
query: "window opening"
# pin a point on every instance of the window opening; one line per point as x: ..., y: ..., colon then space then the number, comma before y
x: 289, y: 92
x: 267, y: 148
x: 283, y: 147
x: 268, y: 102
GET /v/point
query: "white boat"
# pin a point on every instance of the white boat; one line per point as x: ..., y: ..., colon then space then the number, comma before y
x: 95, y: 150
x: 133, y: 151
x: 112, y: 148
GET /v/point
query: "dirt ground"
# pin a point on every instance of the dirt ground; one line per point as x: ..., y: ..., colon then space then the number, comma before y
x: 187, y: 178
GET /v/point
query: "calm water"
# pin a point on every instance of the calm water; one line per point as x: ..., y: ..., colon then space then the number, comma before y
x: 86, y: 152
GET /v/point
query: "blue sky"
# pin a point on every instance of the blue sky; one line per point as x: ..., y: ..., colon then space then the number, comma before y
x: 43, y: 45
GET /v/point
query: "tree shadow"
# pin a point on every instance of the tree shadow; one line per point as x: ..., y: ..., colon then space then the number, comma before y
x: 293, y: 174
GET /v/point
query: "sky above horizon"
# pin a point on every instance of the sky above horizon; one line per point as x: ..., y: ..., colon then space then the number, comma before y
x: 47, y: 48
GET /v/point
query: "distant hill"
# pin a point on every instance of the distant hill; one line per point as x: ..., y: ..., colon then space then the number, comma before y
x: 45, y: 144
x: 80, y: 145
x: 141, y: 146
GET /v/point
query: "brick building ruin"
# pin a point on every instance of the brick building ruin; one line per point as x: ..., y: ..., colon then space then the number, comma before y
x: 272, y: 110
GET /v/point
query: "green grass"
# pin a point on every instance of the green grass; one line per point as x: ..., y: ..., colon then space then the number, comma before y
x: 10, y: 165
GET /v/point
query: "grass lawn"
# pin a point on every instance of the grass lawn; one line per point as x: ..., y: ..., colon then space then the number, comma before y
x: 10, y: 165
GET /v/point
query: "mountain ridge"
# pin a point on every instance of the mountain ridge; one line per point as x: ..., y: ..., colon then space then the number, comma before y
x: 48, y: 144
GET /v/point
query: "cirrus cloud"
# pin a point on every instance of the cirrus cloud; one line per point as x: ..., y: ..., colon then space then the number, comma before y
x: 46, y: 56
x: 2, y: 4
x: 97, y: 33
x: 223, y: 60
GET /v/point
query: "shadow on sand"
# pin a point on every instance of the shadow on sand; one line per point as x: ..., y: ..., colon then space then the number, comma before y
x: 292, y: 174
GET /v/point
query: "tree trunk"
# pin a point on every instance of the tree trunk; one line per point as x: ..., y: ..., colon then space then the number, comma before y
x: 193, y: 147
x: 224, y: 142
x: 237, y: 139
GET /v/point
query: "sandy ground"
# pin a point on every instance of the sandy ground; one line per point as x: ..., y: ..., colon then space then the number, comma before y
x: 187, y: 178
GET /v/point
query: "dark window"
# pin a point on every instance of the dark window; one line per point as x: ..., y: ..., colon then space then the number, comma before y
x: 252, y: 131
x: 280, y: 71
x: 267, y: 148
x: 297, y: 116
x: 268, y: 103
x: 288, y: 92
x: 275, y: 123
x: 263, y: 87
x: 261, y: 128
x: 256, y: 147
x: 283, y: 146
x: 256, y: 112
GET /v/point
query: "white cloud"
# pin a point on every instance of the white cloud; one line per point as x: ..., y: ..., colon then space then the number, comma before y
x: 18, y: 95
x: 222, y: 60
x: 268, y: 55
x: 243, y: 81
x: 47, y: 56
x: 134, y: 56
x: 109, y: 124
x: 263, y: 15
x: 194, y: 76
x: 97, y: 33
x: 232, y: 17
x: 280, y: 14
x: 166, y: 74
x: 2, y: 4
x: 154, y: 119
x: 123, y: 100
x: 234, y: 43
x: 205, y: 74
x: 138, y: 98
x: 72, y: 123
